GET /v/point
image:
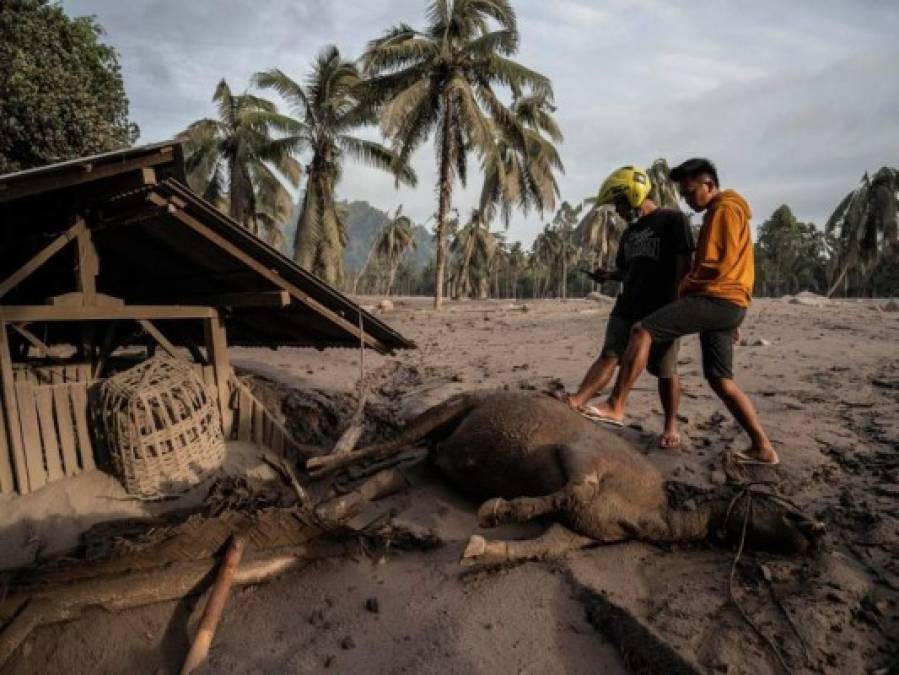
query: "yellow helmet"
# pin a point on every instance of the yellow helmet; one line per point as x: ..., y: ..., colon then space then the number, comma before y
x: 630, y: 182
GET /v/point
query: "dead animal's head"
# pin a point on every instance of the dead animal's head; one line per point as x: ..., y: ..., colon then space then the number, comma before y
x: 772, y: 525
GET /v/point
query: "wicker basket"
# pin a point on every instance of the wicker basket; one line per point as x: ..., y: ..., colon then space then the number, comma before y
x: 162, y: 427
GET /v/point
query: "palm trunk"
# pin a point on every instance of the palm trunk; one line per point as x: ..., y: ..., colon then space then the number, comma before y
x: 564, y: 282
x: 365, y: 265
x: 443, y: 203
x: 391, y: 277
x: 838, y: 281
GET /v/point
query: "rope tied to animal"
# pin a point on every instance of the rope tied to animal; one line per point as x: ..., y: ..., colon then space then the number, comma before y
x: 749, y: 494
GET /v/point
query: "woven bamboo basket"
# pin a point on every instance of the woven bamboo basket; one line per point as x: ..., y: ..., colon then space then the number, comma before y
x: 162, y: 427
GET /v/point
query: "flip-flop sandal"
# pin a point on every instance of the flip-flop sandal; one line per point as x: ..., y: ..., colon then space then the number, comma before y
x: 745, y: 460
x: 592, y: 413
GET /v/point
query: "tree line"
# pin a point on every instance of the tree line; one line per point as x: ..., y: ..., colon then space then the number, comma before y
x: 452, y: 82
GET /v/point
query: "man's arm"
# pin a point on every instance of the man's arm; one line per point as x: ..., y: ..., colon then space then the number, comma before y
x: 600, y: 275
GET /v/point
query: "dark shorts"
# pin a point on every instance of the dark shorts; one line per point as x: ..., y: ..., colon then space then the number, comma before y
x: 714, y: 319
x: 662, y: 355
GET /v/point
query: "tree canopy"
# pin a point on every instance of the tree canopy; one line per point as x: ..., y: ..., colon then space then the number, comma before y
x: 61, y: 90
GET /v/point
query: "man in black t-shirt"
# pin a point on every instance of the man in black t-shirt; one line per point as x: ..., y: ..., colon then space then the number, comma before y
x: 653, y: 256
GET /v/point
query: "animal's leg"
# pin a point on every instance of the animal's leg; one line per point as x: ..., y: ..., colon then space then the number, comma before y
x: 581, y: 486
x: 497, y: 511
x: 553, y: 543
x: 428, y: 422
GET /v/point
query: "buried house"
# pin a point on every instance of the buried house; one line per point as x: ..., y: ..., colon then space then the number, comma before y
x: 106, y: 259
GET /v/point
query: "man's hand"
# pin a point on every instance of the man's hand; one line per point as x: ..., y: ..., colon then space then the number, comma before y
x: 600, y: 275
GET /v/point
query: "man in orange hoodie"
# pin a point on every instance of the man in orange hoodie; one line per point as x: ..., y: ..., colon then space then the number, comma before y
x: 714, y: 297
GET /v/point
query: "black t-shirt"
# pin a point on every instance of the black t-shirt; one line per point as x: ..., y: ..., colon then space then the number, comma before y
x: 647, y: 257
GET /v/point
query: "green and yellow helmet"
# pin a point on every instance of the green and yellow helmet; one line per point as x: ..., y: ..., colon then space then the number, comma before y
x: 630, y: 182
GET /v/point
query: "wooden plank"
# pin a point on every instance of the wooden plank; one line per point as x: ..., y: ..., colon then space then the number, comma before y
x: 39, y: 259
x: 209, y: 379
x: 245, y: 413
x: 78, y: 394
x: 83, y: 373
x: 77, y: 299
x: 7, y: 479
x: 13, y: 427
x: 43, y: 398
x: 270, y: 275
x: 31, y: 435
x: 258, y: 422
x: 217, y: 349
x: 71, y: 373
x: 84, y: 172
x: 30, y: 313
x: 247, y: 299
x: 62, y: 406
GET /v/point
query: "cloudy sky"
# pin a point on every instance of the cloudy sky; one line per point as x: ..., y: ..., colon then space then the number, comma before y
x: 792, y: 99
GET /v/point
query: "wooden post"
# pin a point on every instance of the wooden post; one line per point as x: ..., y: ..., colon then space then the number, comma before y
x: 86, y: 268
x: 87, y: 265
x: 217, y: 351
x: 13, y: 429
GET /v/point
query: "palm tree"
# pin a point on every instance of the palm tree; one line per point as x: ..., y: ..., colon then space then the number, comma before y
x: 516, y: 262
x: 544, y: 254
x: 394, y: 241
x: 328, y: 108
x: 522, y: 175
x: 664, y: 191
x: 474, y: 246
x: 866, y: 229
x: 230, y: 160
x: 442, y: 80
x: 599, y: 233
x: 564, y: 222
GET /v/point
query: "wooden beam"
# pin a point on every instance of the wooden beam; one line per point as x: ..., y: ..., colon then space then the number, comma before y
x: 261, y: 269
x: 32, y: 338
x: 217, y: 352
x: 83, y: 173
x: 87, y: 266
x: 163, y: 341
x: 77, y: 299
x: 43, y: 256
x: 33, y: 313
x: 274, y: 299
x: 13, y: 427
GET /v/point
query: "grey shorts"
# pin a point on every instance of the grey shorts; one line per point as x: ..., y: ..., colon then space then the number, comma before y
x: 662, y: 355
x: 714, y: 319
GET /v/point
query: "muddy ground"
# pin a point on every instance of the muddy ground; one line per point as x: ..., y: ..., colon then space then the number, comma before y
x: 826, y: 382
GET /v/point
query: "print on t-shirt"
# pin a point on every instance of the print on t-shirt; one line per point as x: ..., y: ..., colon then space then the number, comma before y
x: 642, y: 244
x: 647, y: 258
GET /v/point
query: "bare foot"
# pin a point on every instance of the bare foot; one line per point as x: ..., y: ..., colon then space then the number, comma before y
x: 670, y: 439
x: 606, y: 412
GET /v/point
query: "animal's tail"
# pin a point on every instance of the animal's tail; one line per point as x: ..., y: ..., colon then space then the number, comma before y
x: 428, y: 422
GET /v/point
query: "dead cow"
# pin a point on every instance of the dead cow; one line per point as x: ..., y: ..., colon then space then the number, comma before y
x: 531, y: 456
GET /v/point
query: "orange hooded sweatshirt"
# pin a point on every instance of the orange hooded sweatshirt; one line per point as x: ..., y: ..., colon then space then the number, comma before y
x: 723, y: 266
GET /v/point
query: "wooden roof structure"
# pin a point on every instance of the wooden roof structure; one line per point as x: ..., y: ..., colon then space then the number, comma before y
x: 148, y: 248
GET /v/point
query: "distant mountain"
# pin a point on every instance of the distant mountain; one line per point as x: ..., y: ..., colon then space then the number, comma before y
x: 363, y: 222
